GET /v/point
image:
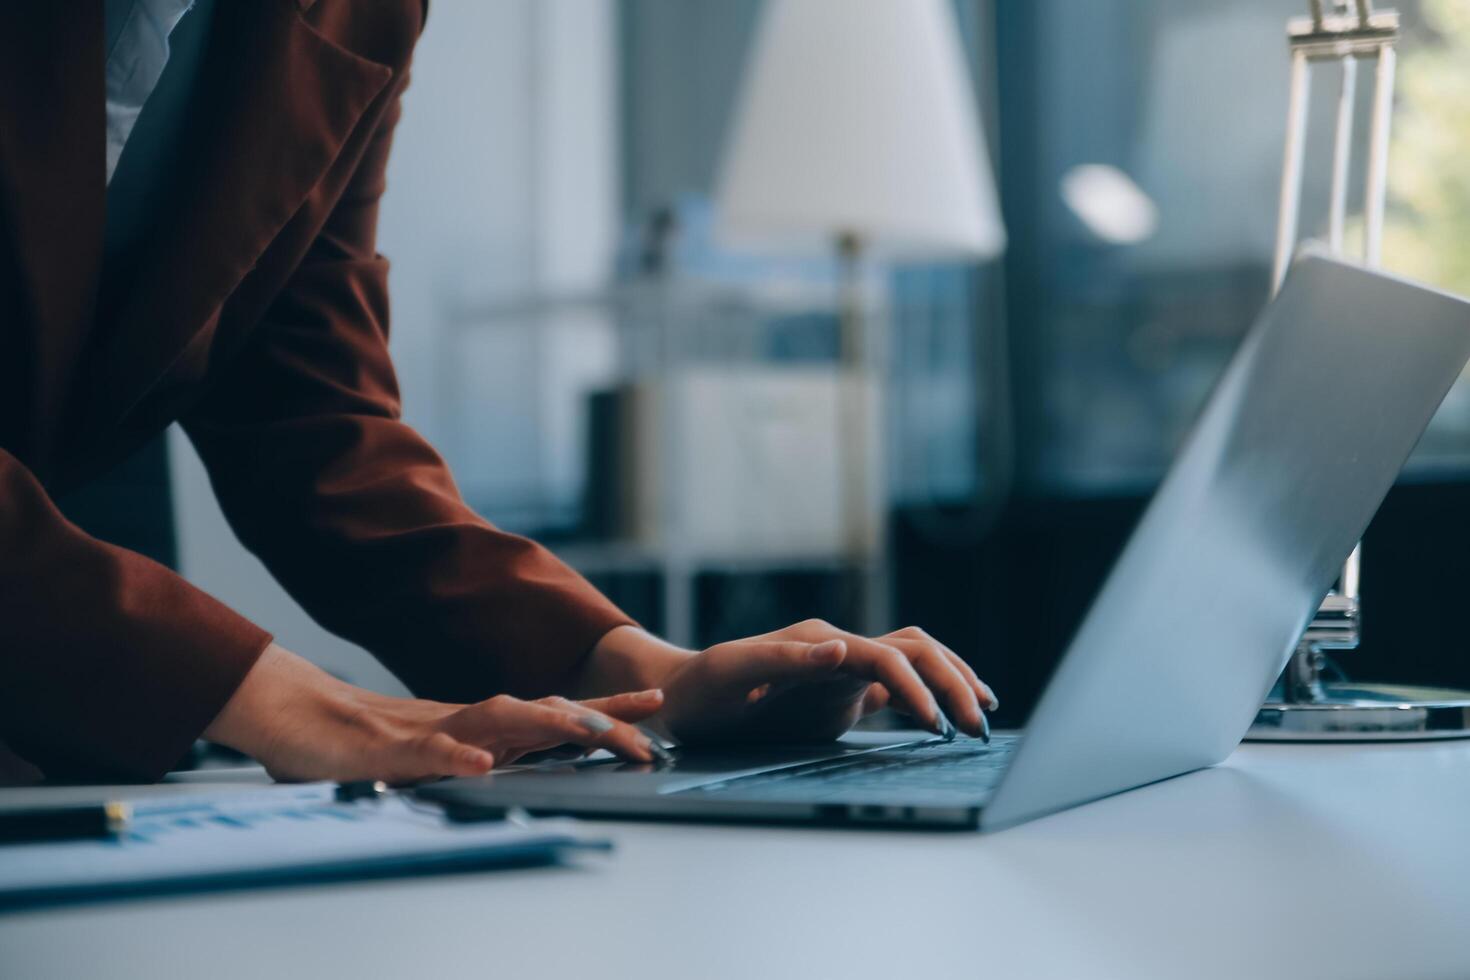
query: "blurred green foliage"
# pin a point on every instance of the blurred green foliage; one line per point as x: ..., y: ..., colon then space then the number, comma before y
x: 1427, y: 225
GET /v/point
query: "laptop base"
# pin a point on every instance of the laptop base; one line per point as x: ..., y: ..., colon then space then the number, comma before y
x: 872, y: 779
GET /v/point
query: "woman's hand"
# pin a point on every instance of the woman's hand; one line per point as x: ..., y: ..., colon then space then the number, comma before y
x: 807, y: 682
x: 301, y: 723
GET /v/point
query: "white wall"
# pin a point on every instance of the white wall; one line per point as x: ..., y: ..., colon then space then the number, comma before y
x: 503, y: 180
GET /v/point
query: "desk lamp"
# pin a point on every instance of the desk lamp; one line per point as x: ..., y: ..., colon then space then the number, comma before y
x: 856, y: 134
x: 1304, y: 706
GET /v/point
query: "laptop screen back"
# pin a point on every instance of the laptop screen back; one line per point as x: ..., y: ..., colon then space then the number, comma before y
x: 1294, y: 451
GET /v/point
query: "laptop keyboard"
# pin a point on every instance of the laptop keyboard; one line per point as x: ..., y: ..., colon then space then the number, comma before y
x: 962, y: 771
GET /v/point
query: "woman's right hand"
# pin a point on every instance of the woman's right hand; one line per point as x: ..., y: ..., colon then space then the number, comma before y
x: 302, y: 724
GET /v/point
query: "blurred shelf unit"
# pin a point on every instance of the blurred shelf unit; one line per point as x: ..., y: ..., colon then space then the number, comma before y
x: 620, y: 558
x: 673, y: 428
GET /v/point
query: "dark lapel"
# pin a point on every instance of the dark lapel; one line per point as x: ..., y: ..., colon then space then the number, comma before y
x: 52, y: 185
x: 276, y: 103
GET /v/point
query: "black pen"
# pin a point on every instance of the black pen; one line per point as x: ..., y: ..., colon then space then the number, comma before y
x: 90, y: 821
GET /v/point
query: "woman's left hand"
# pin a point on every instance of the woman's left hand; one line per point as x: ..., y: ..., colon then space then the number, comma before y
x: 811, y: 682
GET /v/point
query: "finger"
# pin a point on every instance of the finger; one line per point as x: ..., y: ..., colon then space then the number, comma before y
x: 514, y: 727
x: 982, y: 690
x: 631, y: 707
x: 944, y: 678
x: 889, y: 666
x: 437, y: 754
x: 876, y: 699
x: 557, y: 720
x: 877, y: 661
x: 745, y: 665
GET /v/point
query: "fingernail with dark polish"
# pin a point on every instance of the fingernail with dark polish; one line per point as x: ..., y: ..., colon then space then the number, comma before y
x: 984, y: 729
x: 655, y: 748
x: 946, y: 727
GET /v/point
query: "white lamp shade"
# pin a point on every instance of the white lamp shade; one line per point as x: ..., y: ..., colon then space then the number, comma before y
x: 858, y: 116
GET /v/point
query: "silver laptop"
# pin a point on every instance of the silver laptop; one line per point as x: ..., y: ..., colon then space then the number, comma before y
x: 1293, y: 453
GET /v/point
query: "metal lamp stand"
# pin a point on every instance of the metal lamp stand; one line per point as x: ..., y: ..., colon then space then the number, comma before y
x: 862, y: 379
x: 1304, y: 706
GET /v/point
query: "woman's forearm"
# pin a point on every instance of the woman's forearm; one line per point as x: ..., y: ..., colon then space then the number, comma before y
x: 627, y: 658
x: 302, y: 723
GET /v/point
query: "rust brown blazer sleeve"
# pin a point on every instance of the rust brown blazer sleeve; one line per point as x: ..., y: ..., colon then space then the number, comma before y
x: 260, y: 320
x: 110, y: 665
x: 353, y: 512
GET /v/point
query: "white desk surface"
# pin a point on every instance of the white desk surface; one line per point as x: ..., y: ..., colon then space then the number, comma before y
x: 1287, y: 861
